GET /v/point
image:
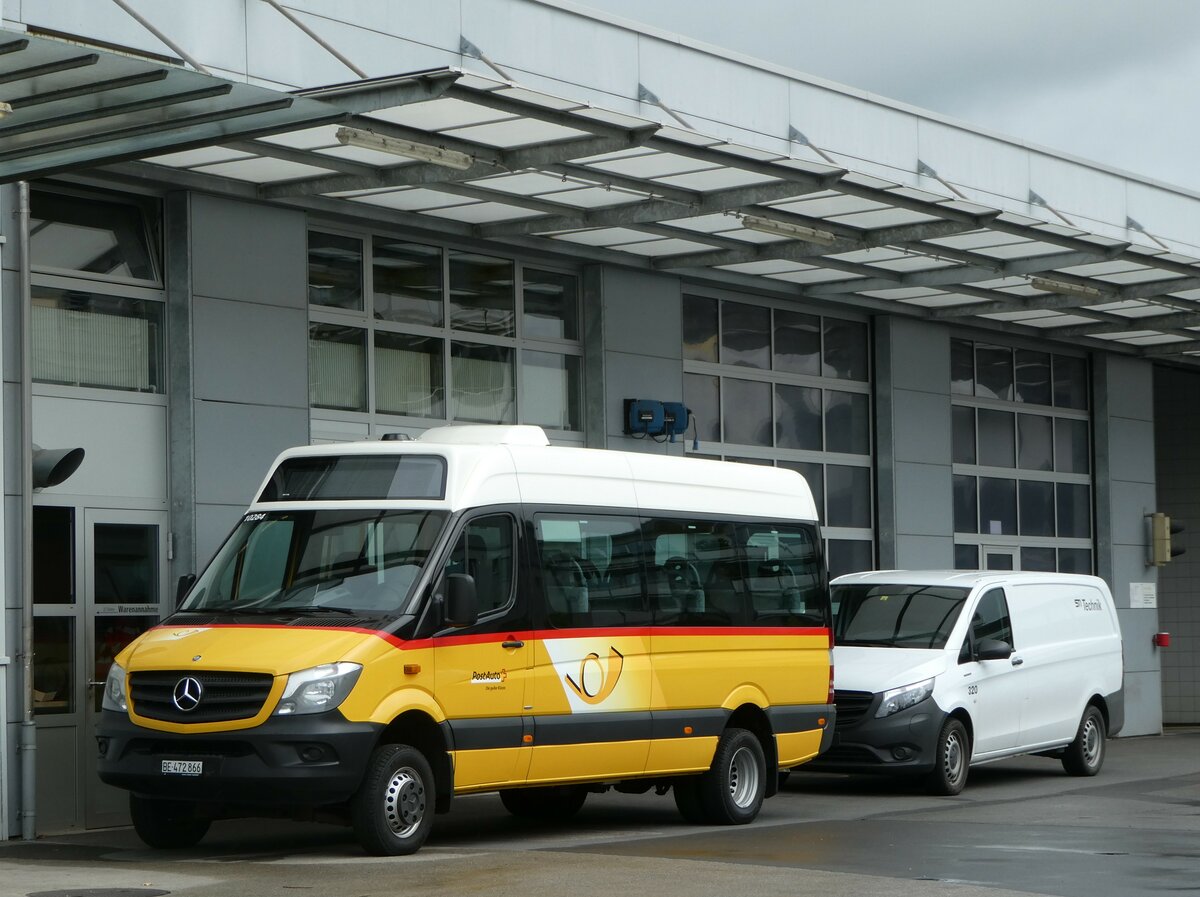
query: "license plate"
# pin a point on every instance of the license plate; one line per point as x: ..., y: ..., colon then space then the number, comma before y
x: 182, y: 767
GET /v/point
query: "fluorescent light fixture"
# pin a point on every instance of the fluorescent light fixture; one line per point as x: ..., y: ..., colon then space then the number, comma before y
x: 5, y: 109
x: 786, y: 229
x: 1067, y: 289
x: 398, y: 147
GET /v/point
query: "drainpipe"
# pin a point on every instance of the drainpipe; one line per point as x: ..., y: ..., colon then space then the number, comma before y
x: 28, y: 744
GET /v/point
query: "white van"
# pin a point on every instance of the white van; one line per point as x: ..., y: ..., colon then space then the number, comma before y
x: 937, y: 671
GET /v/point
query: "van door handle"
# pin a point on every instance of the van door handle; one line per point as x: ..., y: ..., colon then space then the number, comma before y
x: 1017, y: 661
x: 513, y: 643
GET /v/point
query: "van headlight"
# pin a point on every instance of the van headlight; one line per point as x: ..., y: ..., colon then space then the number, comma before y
x: 897, y: 699
x: 318, y: 689
x: 114, y: 690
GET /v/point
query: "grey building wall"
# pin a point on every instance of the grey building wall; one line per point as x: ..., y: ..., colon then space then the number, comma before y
x: 913, y: 447
x: 1125, y: 494
x: 249, y: 331
x: 1177, y: 463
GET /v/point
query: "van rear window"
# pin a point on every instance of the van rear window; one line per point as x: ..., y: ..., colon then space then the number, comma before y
x: 357, y: 477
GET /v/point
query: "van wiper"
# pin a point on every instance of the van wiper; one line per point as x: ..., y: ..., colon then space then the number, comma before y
x: 310, y: 610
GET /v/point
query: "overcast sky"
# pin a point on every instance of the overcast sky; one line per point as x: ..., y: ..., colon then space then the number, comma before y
x: 1116, y: 81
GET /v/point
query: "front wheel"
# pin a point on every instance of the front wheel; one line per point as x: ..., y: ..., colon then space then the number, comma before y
x: 1085, y: 755
x: 167, y: 824
x: 733, y: 789
x: 392, y: 811
x: 951, y: 759
x: 552, y: 803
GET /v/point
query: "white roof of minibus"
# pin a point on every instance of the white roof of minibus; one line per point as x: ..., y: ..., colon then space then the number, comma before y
x: 967, y: 579
x: 490, y: 465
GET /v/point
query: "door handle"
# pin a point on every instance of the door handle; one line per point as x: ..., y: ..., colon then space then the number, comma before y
x: 513, y: 643
x: 1017, y: 661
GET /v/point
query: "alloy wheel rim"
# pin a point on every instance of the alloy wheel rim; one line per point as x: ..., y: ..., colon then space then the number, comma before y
x: 404, y: 802
x: 743, y: 778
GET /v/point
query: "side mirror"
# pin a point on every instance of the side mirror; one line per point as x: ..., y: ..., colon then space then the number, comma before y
x: 992, y: 649
x: 461, y: 604
x: 183, y: 587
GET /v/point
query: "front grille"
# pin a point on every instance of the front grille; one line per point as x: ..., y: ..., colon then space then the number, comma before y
x: 850, y: 755
x: 195, y: 748
x: 852, y: 706
x: 224, y: 697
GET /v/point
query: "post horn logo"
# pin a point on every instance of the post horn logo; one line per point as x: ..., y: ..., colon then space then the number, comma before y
x: 597, y: 683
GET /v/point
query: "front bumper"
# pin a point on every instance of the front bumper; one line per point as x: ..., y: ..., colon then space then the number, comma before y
x: 287, y: 762
x: 905, y: 742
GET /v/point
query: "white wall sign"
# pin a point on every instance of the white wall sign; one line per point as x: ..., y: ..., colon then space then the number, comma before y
x: 1143, y: 594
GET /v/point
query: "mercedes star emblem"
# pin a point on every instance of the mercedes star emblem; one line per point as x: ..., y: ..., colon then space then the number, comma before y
x: 187, y: 694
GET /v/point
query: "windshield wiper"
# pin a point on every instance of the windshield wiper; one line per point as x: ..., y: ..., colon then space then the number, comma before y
x: 309, y: 610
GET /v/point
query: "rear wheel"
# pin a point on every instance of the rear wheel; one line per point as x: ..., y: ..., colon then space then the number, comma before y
x: 167, y: 824
x: 732, y: 790
x: 1085, y: 755
x: 556, y: 802
x: 392, y: 812
x: 952, y: 757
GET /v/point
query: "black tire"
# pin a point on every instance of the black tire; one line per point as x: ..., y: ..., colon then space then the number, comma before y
x: 392, y: 812
x: 732, y: 790
x: 687, y: 800
x: 552, y: 803
x: 952, y: 758
x: 1085, y: 755
x: 167, y: 824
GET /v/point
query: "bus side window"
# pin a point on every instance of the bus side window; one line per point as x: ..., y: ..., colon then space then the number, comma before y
x: 786, y: 584
x: 591, y: 570
x: 484, y: 551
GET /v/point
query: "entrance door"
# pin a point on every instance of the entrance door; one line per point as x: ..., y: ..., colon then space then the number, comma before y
x: 99, y: 581
x: 1000, y: 558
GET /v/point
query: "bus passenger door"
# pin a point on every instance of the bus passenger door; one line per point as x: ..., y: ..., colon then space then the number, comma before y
x: 483, y: 669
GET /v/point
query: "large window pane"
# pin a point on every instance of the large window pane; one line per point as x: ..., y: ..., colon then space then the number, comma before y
x: 845, y: 354
x: 409, y: 375
x: 1035, y: 449
x: 53, y: 555
x: 997, y: 506
x: 994, y: 372
x: 125, y: 558
x: 849, y: 495
x: 53, y: 665
x: 482, y: 387
x: 699, y: 329
x: 337, y: 367
x: 996, y: 439
x: 849, y: 556
x: 966, y: 505
x: 963, y: 438
x: 847, y: 422
x: 966, y: 557
x: 407, y: 283
x: 1074, y: 560
x: 747, y: 412
x: 85, y: 339
x: 94, y: 235
x: 1070, y: 382
x: 702, y: 396
x: 745, y: 335
x: 1071, y: 453
x: 1033, y: 377
x: 797, y: 343
x: 814, y: 475
x: 550, y: 390
x: 1074, y: 511
x: 798, y: 417
x: 1037, y: 508
x: 481, y: 294
x: 962, y: 367
x: 551, y: 305
x: 335, y: 267
x: 1039, y: 560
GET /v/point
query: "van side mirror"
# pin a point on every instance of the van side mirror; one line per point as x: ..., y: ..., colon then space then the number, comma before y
x: 461, y: 603
x: 992, y: 649
x: 183, y: 587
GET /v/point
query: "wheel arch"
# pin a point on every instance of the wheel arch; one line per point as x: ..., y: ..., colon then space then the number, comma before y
x: 421, y: 731
x: 753, y: 718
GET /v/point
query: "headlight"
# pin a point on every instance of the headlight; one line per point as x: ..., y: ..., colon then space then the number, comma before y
x: 318, y: 689
x: 114, y: 690
x: 897, y: 699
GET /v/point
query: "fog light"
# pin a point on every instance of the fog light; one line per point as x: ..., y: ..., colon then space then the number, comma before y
x: 312, y: 753
x: 900, y: 752
x: 102, y: 745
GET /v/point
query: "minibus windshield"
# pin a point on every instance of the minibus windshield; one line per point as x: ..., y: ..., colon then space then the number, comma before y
x: 350, y: 561
x: 896, y: 616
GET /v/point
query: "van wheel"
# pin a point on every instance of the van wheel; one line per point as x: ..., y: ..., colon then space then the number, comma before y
x: 687, y: 800
x: 952, y: 757
x: 557, y: 802
x: 732, y: 791
x: 167, y: 824
x: 392, y: 812
x: 1085, y: 755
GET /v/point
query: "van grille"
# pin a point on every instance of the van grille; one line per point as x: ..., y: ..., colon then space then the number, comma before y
x: 223, y: 696
x: 852, y: 706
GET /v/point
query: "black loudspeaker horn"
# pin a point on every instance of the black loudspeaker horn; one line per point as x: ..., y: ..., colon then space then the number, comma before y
x: 54, y: 466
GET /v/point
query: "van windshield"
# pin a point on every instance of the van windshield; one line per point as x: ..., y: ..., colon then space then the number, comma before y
x: 896, y: 616
x: 336, y: 561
